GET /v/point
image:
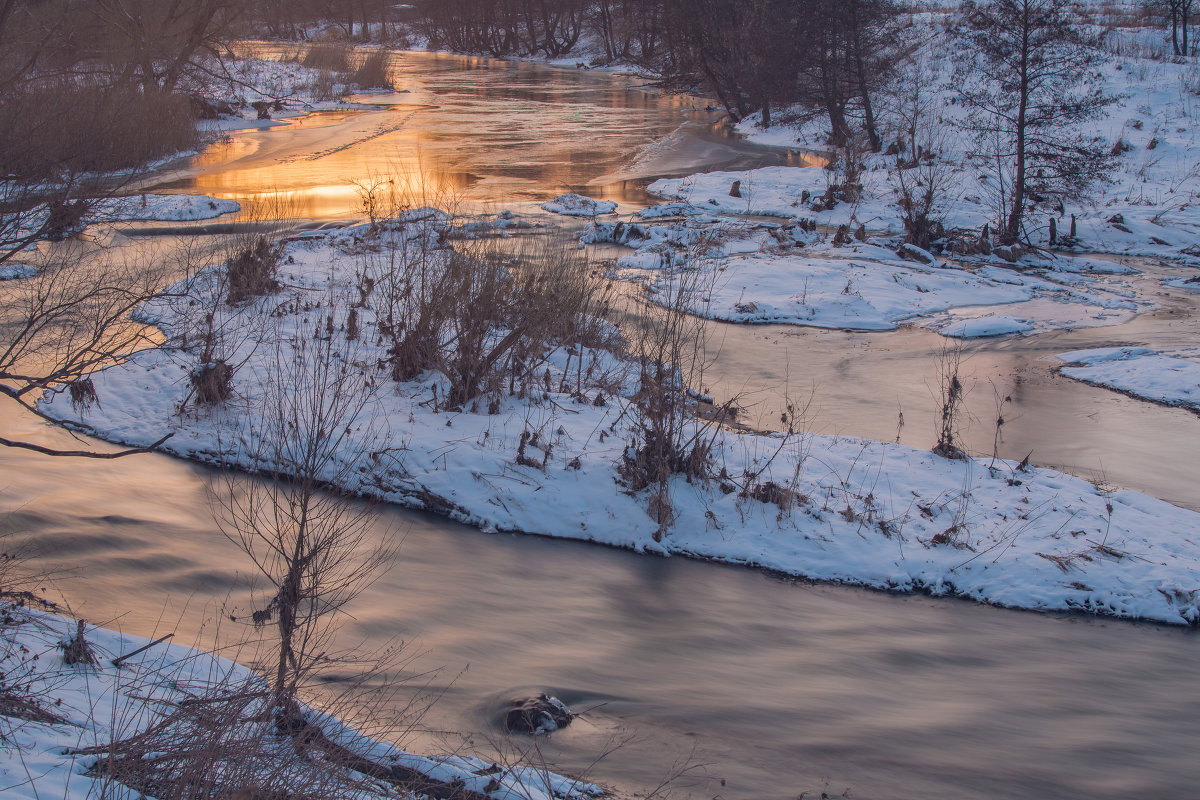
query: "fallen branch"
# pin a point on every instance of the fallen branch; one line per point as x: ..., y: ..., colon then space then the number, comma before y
x: 116, y: 662
x: 49, y: 451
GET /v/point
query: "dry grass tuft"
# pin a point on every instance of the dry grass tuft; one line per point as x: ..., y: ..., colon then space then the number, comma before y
x: 329, y: 56
x: 212, y: 382
x: 76, y: 650
x: 252, y: 271
x: 372, y: 71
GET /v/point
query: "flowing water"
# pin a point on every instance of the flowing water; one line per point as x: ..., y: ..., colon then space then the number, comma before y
x: 770, y: 688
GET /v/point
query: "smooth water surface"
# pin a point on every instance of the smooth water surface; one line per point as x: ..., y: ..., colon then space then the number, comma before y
x: 477, y: 132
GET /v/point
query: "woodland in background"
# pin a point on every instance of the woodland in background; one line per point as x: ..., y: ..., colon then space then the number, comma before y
x: 751, y: 55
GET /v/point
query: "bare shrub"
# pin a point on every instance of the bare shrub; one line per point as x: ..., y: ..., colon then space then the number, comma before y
x: 212, y: 382
x: 407, y: 276
x: 24, y: 697
x: 75, y: 648
x: 950, y: 402
x: 252, y: 271
x: 380, y: 197
x: 512, y: 309
x: 922, y: 192
x: 219, y: 743
x: 325, y: 86
x: 486, y: 313
x: 669, y: 343
x: 843, y: 174
x: 54, y: 127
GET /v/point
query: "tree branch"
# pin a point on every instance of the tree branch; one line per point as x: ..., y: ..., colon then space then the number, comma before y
x: 50, y: 451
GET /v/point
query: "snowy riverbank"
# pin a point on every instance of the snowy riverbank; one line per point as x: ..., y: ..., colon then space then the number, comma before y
x: 827, y: 508
x: 71, y: 717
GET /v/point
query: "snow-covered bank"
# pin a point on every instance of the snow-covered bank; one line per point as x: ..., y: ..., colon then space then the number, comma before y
x: 12, y: 272
x: 161, y: 208
x: 781, y: 273
x: 70, y: 716
x: 1137, y: 371
x: 1147, y: 208
x: 547, y: 460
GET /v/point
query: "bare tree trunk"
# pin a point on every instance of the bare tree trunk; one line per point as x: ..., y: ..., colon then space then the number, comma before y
x: 1012, y: 231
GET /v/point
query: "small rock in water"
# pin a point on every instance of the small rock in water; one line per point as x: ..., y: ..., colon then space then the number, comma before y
x: 541, y: 714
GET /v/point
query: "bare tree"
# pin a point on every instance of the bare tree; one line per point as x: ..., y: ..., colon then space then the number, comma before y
x: 155, y: 42
x: 1179, y: 12
x: 71, y: 318
x: 1025, y: 76
x: 312, y: 545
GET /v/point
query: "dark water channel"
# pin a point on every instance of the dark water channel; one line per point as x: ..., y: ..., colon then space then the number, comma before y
x: 773, y: 689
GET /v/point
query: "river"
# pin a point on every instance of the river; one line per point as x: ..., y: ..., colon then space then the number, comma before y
x: 769, y: 688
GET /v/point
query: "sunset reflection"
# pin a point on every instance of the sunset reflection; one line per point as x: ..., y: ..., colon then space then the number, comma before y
x: 512, y: 132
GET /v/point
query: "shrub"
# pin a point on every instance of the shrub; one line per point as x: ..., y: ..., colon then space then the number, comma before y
x: 327, y: 56
x: 51, y: 128
x: 212, y: 382
x: 950, y: 401
x: 372, y: 71
x: 252, y: 271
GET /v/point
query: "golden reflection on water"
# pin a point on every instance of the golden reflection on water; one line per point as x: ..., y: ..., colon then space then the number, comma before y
x: 463, y: 129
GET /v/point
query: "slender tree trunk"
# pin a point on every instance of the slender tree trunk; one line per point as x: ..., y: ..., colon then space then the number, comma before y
x: 1185, y: 11
x: 860, y: 70
x: 289, y: 601
x: 868, y: 111
x: 1013, y: 230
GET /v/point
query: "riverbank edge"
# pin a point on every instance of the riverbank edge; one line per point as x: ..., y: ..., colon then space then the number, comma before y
x: 420, y: 498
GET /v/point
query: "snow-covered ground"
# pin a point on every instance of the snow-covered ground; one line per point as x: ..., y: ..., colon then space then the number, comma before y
x: 780, y: 273
x: 50, y: 749
x: 576, y: 205
x: 824, y: 507
x: 1149, y: 207
x: 1138, y: 371
x: 12, y: 272
x: 830, y: 508
x: 276, y: 82
x: 161, y: 208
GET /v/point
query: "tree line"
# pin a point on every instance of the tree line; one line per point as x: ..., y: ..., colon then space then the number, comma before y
x: 1026, y: 76
x: 90, y: 87
x: 751, y: 54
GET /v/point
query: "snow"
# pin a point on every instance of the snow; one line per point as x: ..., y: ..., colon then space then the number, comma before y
x: 11, y: 272
x: 990, y: 325
x: 1191, y: 284
x: 765, y: 272
x: 163, y: 208
x: 100, y: 704
x: 136, y: 208
x: 1137, y: 371
x: 576, y: 205
x: 823, y: 507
